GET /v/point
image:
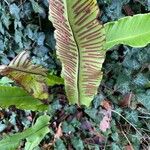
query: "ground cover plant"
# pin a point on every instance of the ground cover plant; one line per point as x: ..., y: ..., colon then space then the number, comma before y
x: 117, y: 118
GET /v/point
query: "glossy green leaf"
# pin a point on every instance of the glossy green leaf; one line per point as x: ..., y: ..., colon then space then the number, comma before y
x: 33, y: 135
x: 20, y: 98
x: 133, y: 31
x: 79, y: 42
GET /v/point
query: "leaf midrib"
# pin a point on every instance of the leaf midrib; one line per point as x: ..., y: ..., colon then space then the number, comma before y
x: 79, y: 58
x: 25, y: 70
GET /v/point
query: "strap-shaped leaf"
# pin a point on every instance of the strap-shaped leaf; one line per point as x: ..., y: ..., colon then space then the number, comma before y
x: 133, y: 31
x: 30, y: 77
x: 20, y: 98
x: 80, y: 38
x: 33, y: 135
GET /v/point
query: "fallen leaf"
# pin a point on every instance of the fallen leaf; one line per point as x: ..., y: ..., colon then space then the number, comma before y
x: 59, y: 133
x: 129, y: 147
x: 105, y: 123
x: 126, y: 100
x: 106, y: 104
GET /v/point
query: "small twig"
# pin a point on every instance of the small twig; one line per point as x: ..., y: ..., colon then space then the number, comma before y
x: 40, y: 24
x: 126, y: 138
x: 128, y: 122
x: 144, y: 117
x: 105, y: 144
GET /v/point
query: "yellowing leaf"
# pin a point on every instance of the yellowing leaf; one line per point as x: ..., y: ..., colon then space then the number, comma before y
x: 30, y: 77
x: 80, y: 38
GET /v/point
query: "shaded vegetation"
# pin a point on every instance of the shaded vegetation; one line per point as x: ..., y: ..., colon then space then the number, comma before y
x: 125, y: 86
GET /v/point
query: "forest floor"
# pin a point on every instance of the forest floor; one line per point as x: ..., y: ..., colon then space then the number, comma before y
x: 119, y: 118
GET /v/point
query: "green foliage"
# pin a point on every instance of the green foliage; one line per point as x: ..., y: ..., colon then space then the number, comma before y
x: 5, y: 81
x: 59, y: 145
x: 31, y: 77
x: 24, y: 26
x: 133, y: 31
x: 33, y: 135
x: 132, y: 75
x: 21, y: 99
x: 79, y: 43
x: 143, y: 98
x: 77, y: 143
x: 52, y: 80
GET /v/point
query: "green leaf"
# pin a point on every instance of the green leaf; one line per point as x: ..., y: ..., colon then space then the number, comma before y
x: 77, y: 143
x: 79, y: 40
x: 34, y: 140
x: 133, y: 31
x: 14, y: 10
x: 144, y: 99
x: 59, y: 145
x: 6, y: 19
x: 30, y: 77
x: 33, y: 135
x: 68, y: 128
x: 115, y: 147
x: 20, y: 98
x: 132, y: 117
x: 51, y: 80
x: 36, y: 7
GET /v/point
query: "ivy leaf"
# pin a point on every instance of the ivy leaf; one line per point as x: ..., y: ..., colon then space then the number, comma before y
x: 132, y: 117
x: 36, y: 7
x: 30, y: 77
x: 59, y: 145
x: 115, y: 147
x: 14, y: 10
x: 41, y: 38
x: 144, y: 99
x: 77, y: 143
x: 6, y: 20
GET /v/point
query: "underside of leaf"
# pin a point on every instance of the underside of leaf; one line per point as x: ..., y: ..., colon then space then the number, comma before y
x: 80, y: 38
x: 30, y: 77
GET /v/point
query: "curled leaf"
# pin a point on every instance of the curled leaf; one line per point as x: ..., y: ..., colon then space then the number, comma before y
x: 31, y: 77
